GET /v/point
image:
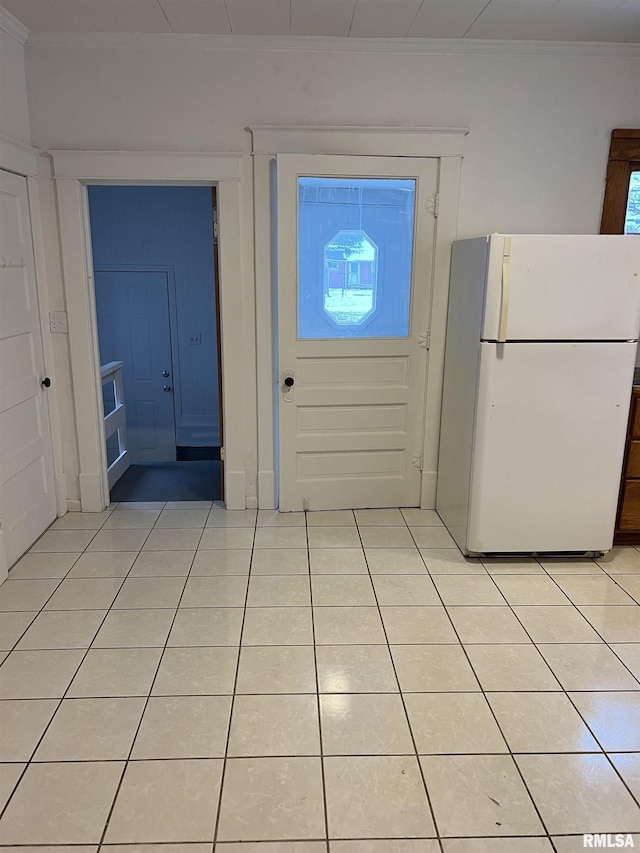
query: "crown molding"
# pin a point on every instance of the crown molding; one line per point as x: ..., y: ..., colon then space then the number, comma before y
x: 13, y: 27
x: 317, y: 44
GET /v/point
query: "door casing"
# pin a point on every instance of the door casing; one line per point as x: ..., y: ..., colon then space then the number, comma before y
x: 445, y: 144
x: 74, y: 170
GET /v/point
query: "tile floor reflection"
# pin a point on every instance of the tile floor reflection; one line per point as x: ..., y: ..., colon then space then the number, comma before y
x: 189, y: 680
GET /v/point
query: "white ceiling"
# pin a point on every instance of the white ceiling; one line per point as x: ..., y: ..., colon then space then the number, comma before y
x: 555, y: 20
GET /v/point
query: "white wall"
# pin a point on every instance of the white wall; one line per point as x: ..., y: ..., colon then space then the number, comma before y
x: 14, y: 111
x: 539, y: 125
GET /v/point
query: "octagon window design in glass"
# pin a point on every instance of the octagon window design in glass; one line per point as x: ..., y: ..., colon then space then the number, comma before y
x: 350, y: 277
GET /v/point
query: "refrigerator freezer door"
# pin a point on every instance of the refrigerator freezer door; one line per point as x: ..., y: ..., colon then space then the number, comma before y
x: 549, y: 441
x: 558, y: 287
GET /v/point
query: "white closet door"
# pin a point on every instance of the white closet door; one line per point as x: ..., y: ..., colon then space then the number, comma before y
x: 27, y: 496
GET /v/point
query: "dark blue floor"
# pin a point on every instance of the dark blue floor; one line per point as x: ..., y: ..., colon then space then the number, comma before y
x: 169, y: 481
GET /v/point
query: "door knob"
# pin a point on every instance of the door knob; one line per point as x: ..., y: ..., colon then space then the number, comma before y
x: 288, y: 382
x: 165, y: 373
x: 166, y: 388
x: 46, y: 382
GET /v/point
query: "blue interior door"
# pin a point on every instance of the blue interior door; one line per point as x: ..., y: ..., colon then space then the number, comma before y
x: 134, y: 327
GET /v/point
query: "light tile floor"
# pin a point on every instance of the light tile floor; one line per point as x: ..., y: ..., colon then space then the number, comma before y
x: 185, y: 678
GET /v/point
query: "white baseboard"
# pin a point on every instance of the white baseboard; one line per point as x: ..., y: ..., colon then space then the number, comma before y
x: 73, y: 505
x: 251, y: 502
x: 61, y: 495
x: 267, y: 489
x: 428, y: 490
x: 91, y: 493
x: 234, y: 490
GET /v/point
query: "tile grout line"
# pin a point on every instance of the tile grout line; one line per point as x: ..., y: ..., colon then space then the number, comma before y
x: 318, y: 705
x: 565, y: 692
x: 510, y: 753
x: 400, y: 692
x: 216, y: 825
x: 153, y: 680
x: 315, y: 658
x: 605, y: 752
x: 60, y: 580
x: 82, y: 659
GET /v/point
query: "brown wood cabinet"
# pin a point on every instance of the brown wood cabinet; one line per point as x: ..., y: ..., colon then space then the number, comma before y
x: 628, y: 520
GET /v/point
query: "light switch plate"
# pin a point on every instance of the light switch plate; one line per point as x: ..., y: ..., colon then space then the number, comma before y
x: 58, y: 323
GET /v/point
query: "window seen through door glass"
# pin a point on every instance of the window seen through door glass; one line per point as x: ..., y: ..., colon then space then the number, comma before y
x: 632, y: 217
x: 355, y: 252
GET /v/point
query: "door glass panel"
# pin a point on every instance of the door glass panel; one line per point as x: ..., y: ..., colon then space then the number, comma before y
x: 355, y: 253
x: 632, y: 217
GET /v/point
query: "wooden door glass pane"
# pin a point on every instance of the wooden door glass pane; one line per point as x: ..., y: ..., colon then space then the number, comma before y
x: 355, y: 257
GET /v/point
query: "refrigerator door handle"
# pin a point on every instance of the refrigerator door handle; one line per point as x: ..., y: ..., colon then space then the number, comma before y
x: 506, y: 291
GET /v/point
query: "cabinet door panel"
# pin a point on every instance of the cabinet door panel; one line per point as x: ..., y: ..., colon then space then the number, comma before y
x: 635, y: 417
x: 633, y: 460
x: 630, y: 510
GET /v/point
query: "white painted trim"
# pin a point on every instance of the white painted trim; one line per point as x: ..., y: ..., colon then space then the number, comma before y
x: 73, y: 171
x: 325, y: 44
x: 360, y: 141
x: 37, y: 239
x: 18, y: 157
x: 10, y: 25
x: 74, y: 506
x: 85, y: 364
x: 446, y: 228
x: 266, y: 328
x: 147, y: 166
x: 237, y: 341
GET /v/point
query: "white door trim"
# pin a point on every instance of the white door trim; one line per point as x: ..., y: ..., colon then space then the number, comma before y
x: 447, y: 145
x: 73, y: 171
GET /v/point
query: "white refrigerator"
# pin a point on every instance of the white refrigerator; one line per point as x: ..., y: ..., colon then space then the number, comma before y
x: 541, y: 343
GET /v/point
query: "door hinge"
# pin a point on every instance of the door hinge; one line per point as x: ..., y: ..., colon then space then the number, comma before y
x: 418, y: 461
x: 222, y: 454
x: 215, y: 225
x: 433, y: 205
x: 425, y: 339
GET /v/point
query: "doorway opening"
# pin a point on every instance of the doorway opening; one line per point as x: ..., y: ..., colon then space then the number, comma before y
x: 156, y: 282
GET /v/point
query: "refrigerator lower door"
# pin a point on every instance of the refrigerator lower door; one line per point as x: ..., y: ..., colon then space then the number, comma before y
x: 548, y: 447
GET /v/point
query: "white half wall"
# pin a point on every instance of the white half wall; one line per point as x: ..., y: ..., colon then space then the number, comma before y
x: 535, y: 157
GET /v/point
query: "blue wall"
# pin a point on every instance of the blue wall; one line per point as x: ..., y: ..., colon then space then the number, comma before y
x: 170, y: 226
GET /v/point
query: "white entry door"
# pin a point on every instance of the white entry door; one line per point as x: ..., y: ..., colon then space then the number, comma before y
x: 27, y: 497
x: 355, y: 253
x: 132, y: 308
